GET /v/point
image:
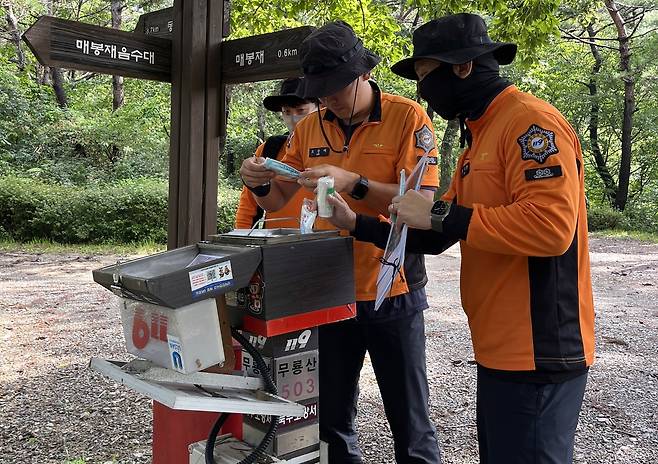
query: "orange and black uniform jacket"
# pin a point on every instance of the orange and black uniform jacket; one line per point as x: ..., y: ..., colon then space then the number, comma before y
x: 396, y: 135
x: 519, y: 212
x: 249, y: 212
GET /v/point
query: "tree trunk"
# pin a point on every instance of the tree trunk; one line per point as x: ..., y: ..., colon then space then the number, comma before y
x: 55, y: 74
x: 15, y: 35
x: 42, y: 74
x: 601, y: 165
x: 430, y: 112
x: 58, y: 86
x: 230, y: 156
x: 446, y: 152
x: 261, y: 123
x: 629, y: 105
x: 116, y: 7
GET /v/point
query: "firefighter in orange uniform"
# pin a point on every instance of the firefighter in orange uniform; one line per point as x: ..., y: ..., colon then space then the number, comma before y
x: 517, y: 207
x: 363, y: 139
x: 293, y: 109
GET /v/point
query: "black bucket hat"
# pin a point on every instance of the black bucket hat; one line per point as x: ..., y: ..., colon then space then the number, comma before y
x: 453, y: 39
x: 332, y: 57
x: 289, y: 95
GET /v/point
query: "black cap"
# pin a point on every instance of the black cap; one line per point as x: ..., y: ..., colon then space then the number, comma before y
x: 453, y: 39
x: 332, y: 57
x: 288, y: 96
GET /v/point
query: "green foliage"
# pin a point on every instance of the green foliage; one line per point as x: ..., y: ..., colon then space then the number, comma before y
x: 88, y: 142
x: 127, y: 211
x: 638, y: 217
x: 48, y: 246
x: 604, y: 218
x: 76, y: 164
x: 227, y: 204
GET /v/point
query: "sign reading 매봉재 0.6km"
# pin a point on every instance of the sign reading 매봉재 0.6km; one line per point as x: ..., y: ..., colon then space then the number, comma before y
x: 261, y: 57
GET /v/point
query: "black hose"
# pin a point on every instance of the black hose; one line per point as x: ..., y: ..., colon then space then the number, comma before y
x: 270, y: 387
x: 212, y: 437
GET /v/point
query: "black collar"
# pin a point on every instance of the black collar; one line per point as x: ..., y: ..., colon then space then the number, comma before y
x: 375, y: 114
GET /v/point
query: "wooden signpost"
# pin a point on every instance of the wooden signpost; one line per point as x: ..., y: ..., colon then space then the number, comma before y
x: 182, y: 45
x: 161, y: 23
x: 261, y: 57
x: 70, y: 44
x: 199, y: 64
x: 158, y: 23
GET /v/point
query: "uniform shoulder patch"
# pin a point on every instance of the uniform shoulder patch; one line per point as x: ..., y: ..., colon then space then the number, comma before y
x: 537, y: 144
x: 543, y: 173
x: 425, y: 139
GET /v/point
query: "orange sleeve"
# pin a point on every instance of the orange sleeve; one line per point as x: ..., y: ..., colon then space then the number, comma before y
x: 247, y: 207
x: 450, y: 194
x: 293, y: 154
x: 541, y: 155
x: 419, y: 138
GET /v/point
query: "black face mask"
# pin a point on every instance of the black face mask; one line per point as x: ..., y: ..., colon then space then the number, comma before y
x: 439, y: 88
x: 451, y: 96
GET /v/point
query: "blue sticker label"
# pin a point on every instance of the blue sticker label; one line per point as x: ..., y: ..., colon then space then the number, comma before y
x: 211, y: 278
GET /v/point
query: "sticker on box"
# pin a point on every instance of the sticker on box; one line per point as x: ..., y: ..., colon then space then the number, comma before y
x: 176, y: 353
x: 211, y: 278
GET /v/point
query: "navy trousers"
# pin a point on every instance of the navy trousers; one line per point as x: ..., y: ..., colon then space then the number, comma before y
x: 527, y: 423
x: 397, y: 352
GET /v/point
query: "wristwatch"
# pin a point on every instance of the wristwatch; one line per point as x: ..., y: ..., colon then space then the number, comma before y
x: 261, y: 190
x: 360, y: 190
x: 439, y: 211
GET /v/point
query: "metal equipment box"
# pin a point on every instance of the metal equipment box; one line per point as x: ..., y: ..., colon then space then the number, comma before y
x: 182, y: 276
x: 298, y: 273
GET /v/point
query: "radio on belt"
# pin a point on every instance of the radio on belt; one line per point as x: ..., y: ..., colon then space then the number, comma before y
x: 276, y: 286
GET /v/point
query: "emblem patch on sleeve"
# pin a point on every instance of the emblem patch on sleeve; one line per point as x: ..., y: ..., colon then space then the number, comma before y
x: 425, y: 139
x: 537, y: 144
x: 543, y: 173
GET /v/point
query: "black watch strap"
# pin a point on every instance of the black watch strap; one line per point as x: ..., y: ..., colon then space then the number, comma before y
x: 437, y: 222
x: 439, y: 211
x: 261, y: 190
x: 360, y: 189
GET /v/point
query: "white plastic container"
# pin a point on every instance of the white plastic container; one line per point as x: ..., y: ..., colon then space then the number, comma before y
x: 325, y: 188
x: 186, y: 339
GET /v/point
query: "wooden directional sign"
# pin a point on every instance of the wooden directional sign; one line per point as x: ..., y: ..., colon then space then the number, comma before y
x: 161, y: 23
x: 70, y: 44
x: 263, y: 57
x: 158, y: 23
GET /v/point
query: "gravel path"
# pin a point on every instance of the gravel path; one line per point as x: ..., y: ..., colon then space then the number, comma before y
x: 53, y: 319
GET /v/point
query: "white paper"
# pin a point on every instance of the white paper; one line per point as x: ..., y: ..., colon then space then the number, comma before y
x: 397, y: 241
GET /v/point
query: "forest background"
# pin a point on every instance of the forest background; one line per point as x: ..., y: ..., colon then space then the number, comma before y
x: 84, y: 157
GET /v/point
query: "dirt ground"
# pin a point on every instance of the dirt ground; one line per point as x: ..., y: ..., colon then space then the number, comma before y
x: 53, y: 319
